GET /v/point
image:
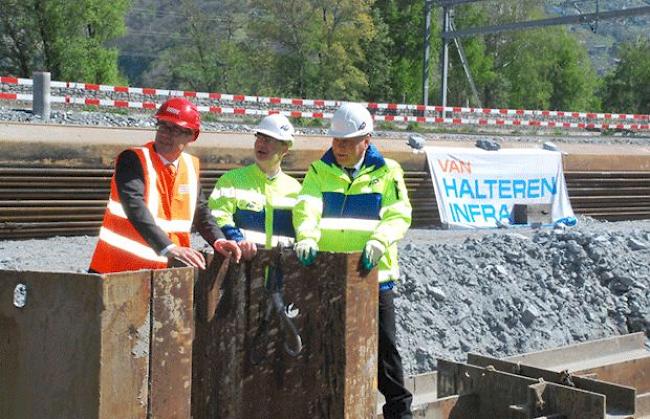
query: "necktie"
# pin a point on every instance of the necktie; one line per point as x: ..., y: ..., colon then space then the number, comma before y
x: 171, y: 169
x: 350, y: 171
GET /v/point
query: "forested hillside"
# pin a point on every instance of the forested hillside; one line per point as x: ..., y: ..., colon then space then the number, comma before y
x: 604, y: 38
x: 335, y: 49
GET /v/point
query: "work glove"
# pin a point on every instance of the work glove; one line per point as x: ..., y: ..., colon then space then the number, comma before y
x: 306, y: 250
x: 372, y: 252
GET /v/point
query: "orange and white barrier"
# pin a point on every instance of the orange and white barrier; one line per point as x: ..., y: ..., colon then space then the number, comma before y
x: 390, y: 111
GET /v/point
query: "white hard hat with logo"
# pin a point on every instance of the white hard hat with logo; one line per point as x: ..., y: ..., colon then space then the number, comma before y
x: 351, y: 120
x: 276, y: 126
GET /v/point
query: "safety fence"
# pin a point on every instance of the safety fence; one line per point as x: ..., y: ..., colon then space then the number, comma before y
x: 137, y: 98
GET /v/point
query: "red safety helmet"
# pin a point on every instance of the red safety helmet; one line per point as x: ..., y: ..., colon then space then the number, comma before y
x: 181, y: 112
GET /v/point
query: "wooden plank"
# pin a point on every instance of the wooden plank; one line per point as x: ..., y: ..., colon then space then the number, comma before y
x: 495, y: 391
x: 32, y: 384
x: 634, y: 372
x: 51, y: 210
x: 125, y: 339
x: 51, y: 218
x: 360, y: 339
x: 171, y: 343
x: 612, y: 196
x: 620, y: 398
x: 217, y: 352
x: 643, y: 405
x: 241, y: 368
x: 567, y: 402
x: 504, y: 395
x: 78, y: 334
x: 560, y: 358
x: 452, y: 407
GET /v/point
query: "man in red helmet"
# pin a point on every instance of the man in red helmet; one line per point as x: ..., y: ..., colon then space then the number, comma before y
x: 155, y: 199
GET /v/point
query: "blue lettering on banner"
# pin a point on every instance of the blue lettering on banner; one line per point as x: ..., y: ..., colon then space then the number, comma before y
x: 504, y: 212
x: 465, y: 189
x: 552, y: 186
x: 457, y: 211
x: 533, y: 188
x: 490, y: 183
x: 504, y: 189
x: 499, y: 188
x: 451, y: 187
x: 489, y: 212
x: 519, y: 188
x: 474, y: 211
x: 470, y: 213
x: 479, y: 195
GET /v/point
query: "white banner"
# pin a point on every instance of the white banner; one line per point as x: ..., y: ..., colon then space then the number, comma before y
x: 478, y: 188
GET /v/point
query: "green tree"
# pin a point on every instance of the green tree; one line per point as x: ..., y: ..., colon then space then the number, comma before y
x: 313, y: 48
x: 627, y: 87
x: 405, y: 22
x: 378, y: 64
x: 17, y: 41
x: 287, y: 34
x: 480, y: 62
x: 346, y: 25
x: 205, y: 48
x: 539, y: 69
x: 67, y: 38
x: 548, y: 69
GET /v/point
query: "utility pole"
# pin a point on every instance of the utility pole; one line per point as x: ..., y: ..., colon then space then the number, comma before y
x: 427, y: 42
x: 468, y: 72
x: 444, y: 56
x: 450, y: 33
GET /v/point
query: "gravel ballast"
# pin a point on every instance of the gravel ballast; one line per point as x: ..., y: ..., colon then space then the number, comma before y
x: 494, y: 292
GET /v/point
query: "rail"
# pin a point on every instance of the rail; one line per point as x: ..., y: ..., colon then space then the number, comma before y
x: 43, y: 202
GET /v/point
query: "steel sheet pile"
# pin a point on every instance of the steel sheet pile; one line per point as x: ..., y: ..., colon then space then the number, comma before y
x: 497, y: 292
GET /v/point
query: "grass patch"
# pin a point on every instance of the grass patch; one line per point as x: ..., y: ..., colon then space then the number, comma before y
x: 308, y: 122
x: 105, y: 109
x: 386, y: 126
x: 209, y: 117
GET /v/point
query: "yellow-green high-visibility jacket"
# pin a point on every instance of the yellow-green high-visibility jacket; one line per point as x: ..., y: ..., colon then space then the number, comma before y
x: 248, y: 205
x: 342, y: 214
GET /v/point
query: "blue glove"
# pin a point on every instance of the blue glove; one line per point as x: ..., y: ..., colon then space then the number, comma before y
x: 306, y: 250
x: 372, y: 252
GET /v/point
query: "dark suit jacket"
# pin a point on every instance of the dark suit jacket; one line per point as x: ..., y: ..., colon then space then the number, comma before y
x: 129, y: 178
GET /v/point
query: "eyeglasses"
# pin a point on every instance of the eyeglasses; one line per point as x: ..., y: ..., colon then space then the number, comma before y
x: 265, y: 138
x: 173, y: 129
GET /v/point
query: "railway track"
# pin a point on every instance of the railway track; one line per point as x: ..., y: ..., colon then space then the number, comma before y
x: 43, y: 202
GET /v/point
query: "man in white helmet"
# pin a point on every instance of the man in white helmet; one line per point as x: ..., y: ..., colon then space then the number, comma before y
x: 253, y: 204
x: 352, y: 200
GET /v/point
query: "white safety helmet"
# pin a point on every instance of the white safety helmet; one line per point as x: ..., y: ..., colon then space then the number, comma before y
x: 276, y: 126
x: 351, y: 120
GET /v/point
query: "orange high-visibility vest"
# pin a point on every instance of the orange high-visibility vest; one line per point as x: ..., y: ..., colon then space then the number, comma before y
x: 170, y: 200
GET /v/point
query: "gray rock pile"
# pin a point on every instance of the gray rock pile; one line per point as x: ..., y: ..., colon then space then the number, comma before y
x: 503, y: 294
x: 109, y: 119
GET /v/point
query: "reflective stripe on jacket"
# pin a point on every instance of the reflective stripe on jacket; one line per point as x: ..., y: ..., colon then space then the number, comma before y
x: 248, y: 205
x: 343, y: 214
x: 171, y: 202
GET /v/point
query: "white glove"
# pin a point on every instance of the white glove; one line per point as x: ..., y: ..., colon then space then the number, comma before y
x: 372, y: 252
x: 306, y: 250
